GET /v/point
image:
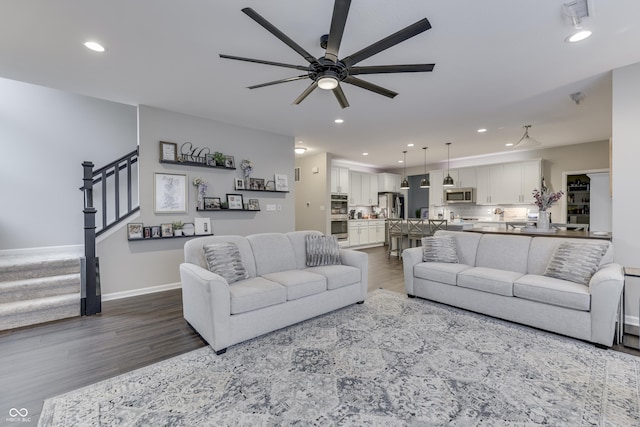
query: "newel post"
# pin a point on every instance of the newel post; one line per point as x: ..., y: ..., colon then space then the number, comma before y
x: 91, y: 302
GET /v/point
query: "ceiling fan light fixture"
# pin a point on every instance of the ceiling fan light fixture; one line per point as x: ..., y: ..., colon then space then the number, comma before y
x: 327, y: 82
x: 300, y: 150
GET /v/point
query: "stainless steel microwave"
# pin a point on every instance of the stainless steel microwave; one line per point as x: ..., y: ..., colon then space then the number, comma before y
x: 459, y: 195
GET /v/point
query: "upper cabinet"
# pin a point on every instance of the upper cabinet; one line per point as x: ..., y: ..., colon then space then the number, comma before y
x: 363, y: 189
x: 339, y: 180
x: 436, y: 188
x: 508, y: 184
x: 388, y: 183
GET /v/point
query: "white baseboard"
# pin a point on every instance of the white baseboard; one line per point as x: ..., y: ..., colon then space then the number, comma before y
x: 142, y: 291
x: 631, y: 320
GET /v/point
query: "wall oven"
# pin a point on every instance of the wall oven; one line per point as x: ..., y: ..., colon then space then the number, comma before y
x: 339, y: 217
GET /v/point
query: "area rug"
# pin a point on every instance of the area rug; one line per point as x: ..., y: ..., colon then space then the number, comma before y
x: 391, y: 361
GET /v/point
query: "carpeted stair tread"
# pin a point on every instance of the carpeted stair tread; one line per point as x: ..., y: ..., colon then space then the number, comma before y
x: 19, y: 267
x: 18, y: 290
x: 38, y: 310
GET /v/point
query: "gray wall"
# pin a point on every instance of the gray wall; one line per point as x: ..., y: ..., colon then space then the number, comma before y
x: 127, y: 267
x: 313, y: 192
x: 45, y: 135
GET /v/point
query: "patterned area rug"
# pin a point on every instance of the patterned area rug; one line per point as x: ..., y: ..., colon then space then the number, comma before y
x: 389, y: 362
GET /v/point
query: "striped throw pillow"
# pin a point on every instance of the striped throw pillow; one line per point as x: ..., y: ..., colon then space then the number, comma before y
x: 576, y: 262
x: 322, y: 250
x: 224, y: 259
x: 439, y: 249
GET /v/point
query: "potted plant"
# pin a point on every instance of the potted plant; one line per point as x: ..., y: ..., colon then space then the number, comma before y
x: 224, y: 205
x: 219, y: 158
x: 177, y: 228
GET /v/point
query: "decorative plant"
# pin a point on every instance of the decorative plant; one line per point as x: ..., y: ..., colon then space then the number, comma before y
x: 247, y: 167
x: 544, y: 198
x: 177, y: 225
x: 224, y: 205
x: 219, y: 158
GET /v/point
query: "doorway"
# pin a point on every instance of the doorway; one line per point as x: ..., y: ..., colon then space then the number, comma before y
x: 587, y: 199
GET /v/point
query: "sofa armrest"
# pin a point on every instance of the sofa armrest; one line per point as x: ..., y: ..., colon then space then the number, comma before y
x: 206, y: 304
x: 359, y: 260
x: 605, y: 288
x: 410, y: 258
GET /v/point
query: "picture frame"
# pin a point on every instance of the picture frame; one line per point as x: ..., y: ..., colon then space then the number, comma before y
x: 229, y: 162
x: 147, y: 232
x: 282, y: 182
x: 170, y: 193
x: 270, y: 186
x: 209, y: 160
x: 166, y: 230
x: 189, y: 229
x: 134, y: 230
x: 168, y: 151
x: 212, y: 203
x: 253, y: 205
x: 256, y: 184
x: 155, y: 232
x: 235, y: 201
x: 239, y: 184
x: 203, y: 226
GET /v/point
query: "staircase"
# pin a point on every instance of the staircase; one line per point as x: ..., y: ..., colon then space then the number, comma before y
x: 39, y: 286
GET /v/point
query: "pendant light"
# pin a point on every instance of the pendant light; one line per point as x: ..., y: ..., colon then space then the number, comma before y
x: 526, y: 140
x: 448, y: 181
x: 404, y: 185
x: 424, y: 183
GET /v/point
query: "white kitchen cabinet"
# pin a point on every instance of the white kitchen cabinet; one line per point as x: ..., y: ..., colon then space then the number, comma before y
x: 388, y: 183
x: 436, y: 188
x: 366, y: 232
x: 531, y: 179
x: 377, y: 231
x: 508, y: 183
x: 373, y: 189
x: 489, y: 184
x: 363, y: 189
x: 355, y: 188
x: 466, y: 178
x: 339, y: 180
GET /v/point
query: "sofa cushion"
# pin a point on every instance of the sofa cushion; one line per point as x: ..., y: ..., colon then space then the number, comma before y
x: 553, y: 291
x: 442, y: 272
x: 194, y: 254
x: 224, y: 259
x: 441, y: 248
x: 272, y: 252
x: 338, y: 275
x: 576, y: 262
x: 254, y: 293
x: 299, y: 283
x: 322, y: 250
x: 298, y: 241
x: 503, y: 252
x: 489, y: 280
x: 466, y: 245
x: 542, y: 248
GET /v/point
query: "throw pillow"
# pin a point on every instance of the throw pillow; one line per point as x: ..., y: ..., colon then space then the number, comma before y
x: 322, y: 250
x: 224, y: 259
x: 440, y: 248
x: 576, y: 262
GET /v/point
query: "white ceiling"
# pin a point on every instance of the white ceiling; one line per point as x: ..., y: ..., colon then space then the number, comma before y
x: 499, y: 65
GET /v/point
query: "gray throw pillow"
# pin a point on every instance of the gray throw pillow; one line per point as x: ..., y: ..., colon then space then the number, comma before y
x: 576, y: 262
x: 440, y: 248
x: 224, y: 259
x: 322, y: 250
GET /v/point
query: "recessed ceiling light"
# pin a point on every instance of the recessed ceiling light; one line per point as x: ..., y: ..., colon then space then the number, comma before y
x: 400, y: 161
x: 338, y: 121
x: 410, y: 145
x: 509, y: 144
x: 579, y: 36
x: 300, y: 150
x: 94, y: 46
x: 365, y: 154
x: 482, y: 130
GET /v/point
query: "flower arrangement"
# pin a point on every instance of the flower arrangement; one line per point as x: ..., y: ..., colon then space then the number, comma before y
x: 544, y: 198
x: 247, y: 167
x: 201, y: 184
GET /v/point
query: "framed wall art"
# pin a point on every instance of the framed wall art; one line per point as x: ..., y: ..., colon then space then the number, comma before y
x: 166, y: 230
x: 235, y: 201
x: 211, y: 203
x: 202, y: 226
x: 282, y: 182
x: 239, y: 184
x: 229, y: 162
x: 134, y: 230
x: 170, y: 193
x: 253, y: 205
x: 168, y: 151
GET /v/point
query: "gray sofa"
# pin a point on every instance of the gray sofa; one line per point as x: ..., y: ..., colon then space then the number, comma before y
x: 280, y: 289
x: 503, y: 276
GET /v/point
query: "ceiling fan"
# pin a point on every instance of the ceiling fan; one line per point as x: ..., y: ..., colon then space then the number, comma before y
x: 327, y: 72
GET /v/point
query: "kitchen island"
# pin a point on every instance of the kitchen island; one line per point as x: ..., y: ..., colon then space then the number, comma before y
x: 550, y: 233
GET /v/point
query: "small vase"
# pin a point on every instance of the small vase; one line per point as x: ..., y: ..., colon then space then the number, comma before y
x: 201, y: 193
x: 177, y: 232
x: 543, y: 220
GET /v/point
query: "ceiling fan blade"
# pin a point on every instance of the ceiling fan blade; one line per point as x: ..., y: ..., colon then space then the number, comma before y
x: 387, y: 42
x: 275, y: 82
x: 342, y: 99
x: 338, y: 22
x: 306, y: 93
x: 381, y: 69
x: 279, y: 34
x: 370, y: 86
x: 260, y: 61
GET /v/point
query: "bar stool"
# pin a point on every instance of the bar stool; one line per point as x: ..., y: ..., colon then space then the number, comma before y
x: 396, y: 232
x: 437, y: 224
x: 415, y: 230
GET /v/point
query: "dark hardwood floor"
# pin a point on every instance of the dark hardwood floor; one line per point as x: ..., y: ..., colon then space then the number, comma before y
x: 38, y: 362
